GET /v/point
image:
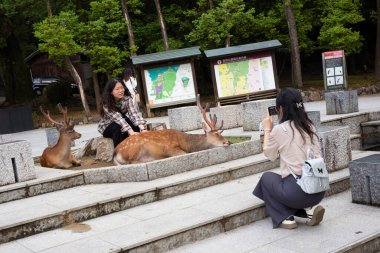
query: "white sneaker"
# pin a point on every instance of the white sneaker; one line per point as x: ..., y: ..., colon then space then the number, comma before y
x: 315, y: 215
x: 288, y: 223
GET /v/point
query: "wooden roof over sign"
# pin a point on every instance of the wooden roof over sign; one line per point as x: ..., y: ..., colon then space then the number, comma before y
x: 170, y: 55
x: 247, y: 48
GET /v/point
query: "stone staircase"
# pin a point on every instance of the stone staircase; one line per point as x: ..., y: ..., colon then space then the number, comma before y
x: 346, y: 227
x: 63, y: 214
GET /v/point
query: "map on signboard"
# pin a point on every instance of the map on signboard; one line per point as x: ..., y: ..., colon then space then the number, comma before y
x: 170, y: 84
x: 244, y: 76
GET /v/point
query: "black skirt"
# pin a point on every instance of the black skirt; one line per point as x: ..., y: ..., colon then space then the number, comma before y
x: 283, y: 197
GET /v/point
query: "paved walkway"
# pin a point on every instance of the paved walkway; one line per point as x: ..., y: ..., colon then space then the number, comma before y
x: 38, y: 138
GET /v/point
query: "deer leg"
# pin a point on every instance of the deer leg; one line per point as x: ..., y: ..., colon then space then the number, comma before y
x: 176, y: 152
x: 74, y: 161
x: 66, y: 166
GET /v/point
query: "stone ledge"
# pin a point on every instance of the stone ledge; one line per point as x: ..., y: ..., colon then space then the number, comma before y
x: 173, y: 165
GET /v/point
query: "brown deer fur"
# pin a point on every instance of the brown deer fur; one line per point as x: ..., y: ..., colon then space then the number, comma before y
x: 59, y: 155
x: 154, y: 145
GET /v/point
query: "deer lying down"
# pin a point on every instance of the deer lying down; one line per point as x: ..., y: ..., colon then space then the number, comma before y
x: 59, y: 155
x: 154, y: 145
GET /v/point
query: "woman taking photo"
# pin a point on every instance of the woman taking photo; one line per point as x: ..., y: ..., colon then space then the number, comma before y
x: 120, y: 116
x: 289, y: 140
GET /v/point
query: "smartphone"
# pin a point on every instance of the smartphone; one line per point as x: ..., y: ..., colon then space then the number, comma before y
x: 272, y: 110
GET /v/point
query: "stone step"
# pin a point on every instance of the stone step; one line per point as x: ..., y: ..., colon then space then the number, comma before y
x: 346, y: 227
x: 28, y: 216
x: 48, y: 180
x: 371, y: 123
x: 166, y: 224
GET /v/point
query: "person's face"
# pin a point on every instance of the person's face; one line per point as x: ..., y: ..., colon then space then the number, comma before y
x: 118, y: 91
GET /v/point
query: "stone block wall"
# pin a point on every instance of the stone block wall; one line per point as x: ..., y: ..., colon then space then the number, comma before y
x: 365, y: 180
x: 335, y: 146
x: 230, y: 114
x: 185, y: 118
x: 353, y: 122
x: 172, y: 165
x: 254, y: 112
x: 341, y: 102
x: 315, y: 116
x: 16, y: 162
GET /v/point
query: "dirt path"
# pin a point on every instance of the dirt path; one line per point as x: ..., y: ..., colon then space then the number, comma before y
x: 89, y: 162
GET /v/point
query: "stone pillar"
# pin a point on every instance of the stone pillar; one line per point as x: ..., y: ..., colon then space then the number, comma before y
x: 230, y: 114
x: 341, y: 102
x: 335, y: 146
x: 254, y: 112
x: 16, y: 162
x: 315, y: 116
x: 5, y: 138
x: 185, y: 118
x: 365, y: 180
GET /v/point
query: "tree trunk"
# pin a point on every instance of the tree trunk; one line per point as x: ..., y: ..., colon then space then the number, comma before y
x: 98, y: 97
x: 48, y: 7
x: 78, y: 80
x: 295, y: 54
x: 228, y: 41
x: 162, y: 24
x: 131, y: 36
x: 211, y: 4
x: 377, y: 59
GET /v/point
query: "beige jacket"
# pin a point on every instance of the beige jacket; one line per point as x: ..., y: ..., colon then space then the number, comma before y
x: 280, y: 144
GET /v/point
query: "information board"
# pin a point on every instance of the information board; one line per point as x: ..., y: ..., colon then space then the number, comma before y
x: 169, y: 85
x: 334, y: 70
x: 244, y: 74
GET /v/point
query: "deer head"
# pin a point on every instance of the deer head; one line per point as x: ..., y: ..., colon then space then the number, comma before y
x: 214, y: 134
x: 59, y: 155
x: 66, y: 128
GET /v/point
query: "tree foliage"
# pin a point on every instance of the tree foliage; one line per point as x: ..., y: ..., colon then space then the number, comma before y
x: 106, y: 33
x: 223, y: 25
x: 98, y: 29
x: 59, y: 35
x: 337, y: 31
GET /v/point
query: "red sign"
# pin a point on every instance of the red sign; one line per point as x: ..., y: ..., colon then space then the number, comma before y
x: 333, y: 54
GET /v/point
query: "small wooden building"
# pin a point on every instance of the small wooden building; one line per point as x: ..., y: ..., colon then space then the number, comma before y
x: 42, y: 66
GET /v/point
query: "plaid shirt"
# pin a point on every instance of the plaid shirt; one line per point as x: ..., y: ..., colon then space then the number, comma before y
x: 126, y: 106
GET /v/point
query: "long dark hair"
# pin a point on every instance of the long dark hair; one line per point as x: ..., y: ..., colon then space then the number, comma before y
x: 291, y: 102
x: 108, y: 99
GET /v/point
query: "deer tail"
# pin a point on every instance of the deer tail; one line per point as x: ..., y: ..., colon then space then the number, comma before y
x: 118, y: 159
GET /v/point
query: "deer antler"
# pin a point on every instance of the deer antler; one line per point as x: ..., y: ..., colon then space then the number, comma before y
x: 47, y: 115
x: 211, y: 123
x: 64, y: 112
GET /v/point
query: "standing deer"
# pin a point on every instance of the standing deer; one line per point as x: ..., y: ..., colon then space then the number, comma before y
x: 59, y: 155
x: 154, y: 145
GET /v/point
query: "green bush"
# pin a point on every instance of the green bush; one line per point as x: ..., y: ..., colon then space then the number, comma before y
x: 58, y: 92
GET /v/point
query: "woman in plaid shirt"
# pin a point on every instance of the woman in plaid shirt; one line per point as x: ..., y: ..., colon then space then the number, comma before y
x: 120, y: 117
